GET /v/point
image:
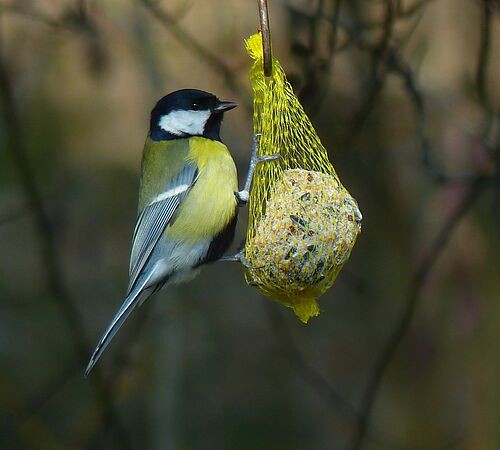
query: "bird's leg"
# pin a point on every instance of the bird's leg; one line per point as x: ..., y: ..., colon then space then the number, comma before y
x: 238, y: 257
x: 243, y: 195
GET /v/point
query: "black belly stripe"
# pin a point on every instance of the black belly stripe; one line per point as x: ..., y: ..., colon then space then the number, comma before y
x: 221, y: 242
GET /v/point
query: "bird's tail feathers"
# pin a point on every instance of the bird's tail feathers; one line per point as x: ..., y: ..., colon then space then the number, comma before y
x: 133, y: 299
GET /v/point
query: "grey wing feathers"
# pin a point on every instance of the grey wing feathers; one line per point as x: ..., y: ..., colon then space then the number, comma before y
x: 154, y: 218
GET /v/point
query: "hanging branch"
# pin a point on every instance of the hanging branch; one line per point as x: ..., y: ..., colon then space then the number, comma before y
x: 266, y: 37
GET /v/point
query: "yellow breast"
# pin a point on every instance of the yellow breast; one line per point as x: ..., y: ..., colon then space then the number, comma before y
x: 211, y: 203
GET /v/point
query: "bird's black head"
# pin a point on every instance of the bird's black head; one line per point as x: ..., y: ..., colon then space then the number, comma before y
x: 188, y: 112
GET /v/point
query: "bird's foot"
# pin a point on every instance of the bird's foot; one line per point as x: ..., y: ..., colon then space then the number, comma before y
x: 243, y: 195
x: 238, y: 257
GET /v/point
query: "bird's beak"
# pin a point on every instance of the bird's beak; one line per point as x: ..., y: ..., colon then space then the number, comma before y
x: 224, y: 106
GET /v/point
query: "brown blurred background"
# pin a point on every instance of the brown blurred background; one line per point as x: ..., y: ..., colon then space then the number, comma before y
x: 406, y: 352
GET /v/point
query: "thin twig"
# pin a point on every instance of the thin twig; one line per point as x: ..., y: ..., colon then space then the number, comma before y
x: 412, y: 10
x: 378, y: 73
x: 484, y: 55
x: 399, y: 67
x: 31, y: 14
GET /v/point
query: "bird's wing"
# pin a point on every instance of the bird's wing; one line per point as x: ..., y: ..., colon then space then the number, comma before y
x: 150, y: 225
x: 154, y: 218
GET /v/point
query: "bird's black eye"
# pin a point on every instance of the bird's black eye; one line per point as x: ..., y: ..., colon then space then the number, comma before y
x: 195, y: 107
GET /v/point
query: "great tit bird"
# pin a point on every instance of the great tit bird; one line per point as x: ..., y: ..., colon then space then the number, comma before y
x: 188, y: 199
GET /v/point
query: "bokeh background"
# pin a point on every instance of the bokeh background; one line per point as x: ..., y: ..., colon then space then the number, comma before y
x: 405, y: 355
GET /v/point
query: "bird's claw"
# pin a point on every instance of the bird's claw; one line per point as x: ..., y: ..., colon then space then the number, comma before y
x: 238, y: 257
x: 256, y: 159
x: 243, y: 195
x: 265, y: 158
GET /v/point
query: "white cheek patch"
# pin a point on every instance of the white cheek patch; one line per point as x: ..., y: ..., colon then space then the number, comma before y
x: 182, y: 123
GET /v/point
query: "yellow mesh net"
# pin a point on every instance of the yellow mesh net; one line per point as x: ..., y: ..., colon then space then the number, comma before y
x: 303, y: 223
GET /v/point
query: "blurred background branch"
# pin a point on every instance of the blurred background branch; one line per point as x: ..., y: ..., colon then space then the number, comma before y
x: 49, y: 257
x: 211, y: 58
x: 402, y: 356
x: 422, y: 273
